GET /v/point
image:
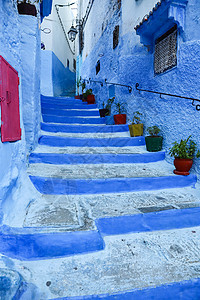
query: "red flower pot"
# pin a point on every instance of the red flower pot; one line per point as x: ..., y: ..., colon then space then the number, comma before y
x: 90, y: 99
x: 120, y: 119
x: 182, y: 166
x: 77, y: 97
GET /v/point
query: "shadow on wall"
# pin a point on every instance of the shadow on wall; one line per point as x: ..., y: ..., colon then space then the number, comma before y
x: 56, y: 80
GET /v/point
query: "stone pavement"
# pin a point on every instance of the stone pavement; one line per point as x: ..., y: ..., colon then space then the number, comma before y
x: 112, y: 218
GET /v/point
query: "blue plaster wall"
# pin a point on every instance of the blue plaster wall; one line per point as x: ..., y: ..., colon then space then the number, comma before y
x: 18, y: 45
x: 130, y: 62
x: 30, y: 78
x: 56, y: 80
x: 46, y: 73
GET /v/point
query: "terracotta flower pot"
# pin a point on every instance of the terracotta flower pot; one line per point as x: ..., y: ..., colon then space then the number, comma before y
x: 77, y: 96
x: 154, y: 143
x: 182, y: 166
x: 120, y: 119
x: 90, y: 99
x: 136, y: 129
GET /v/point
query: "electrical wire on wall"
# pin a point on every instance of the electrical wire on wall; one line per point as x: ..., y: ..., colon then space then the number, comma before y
x: 63, y: 28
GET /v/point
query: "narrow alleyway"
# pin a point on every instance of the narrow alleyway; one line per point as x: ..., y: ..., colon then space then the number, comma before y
x: 105, y: 197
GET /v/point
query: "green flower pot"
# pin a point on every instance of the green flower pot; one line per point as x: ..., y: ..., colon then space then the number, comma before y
x: 153, y: 143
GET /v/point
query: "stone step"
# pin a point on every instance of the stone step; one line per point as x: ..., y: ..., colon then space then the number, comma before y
x: 70, y: 112
x: 83, y: 128
x: 49, y: 99
x: 172, y: 290
x: 87, y: 135
x: 72, y: 120
x: 52, y: 158
x: 91, y: 142
x: 91, y: 171
x: 75, y: 106
x: 138, y: 260
x: 56, y: 186
x: 35, y: 246
x: 58, y: 213
x: 91, y: 150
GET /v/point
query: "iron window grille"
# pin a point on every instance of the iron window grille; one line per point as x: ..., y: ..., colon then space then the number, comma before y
x: 165, y: 55
x: 98, y: 67
x: 116, y: 36
x: 74, y: 64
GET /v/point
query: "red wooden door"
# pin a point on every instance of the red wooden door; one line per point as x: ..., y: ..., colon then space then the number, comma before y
x: 9, y: 96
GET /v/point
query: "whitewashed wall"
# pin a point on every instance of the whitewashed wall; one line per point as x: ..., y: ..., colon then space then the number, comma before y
x: 56, y: 41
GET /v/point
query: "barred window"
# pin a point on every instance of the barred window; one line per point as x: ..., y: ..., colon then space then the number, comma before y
x: 98, y: 67
x: 115, y: 36
x: 165, y: 56
x: 74, y: 64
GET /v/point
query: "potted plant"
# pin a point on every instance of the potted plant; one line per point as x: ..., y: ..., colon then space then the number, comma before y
x: 120, y: 117
x: 25, y: 7
x: 85, y: 94
x: 108, y: 117
x: 90, y: 97
x: 78, y: 84
x: 136, y: 127
x: 103, y: 111
x: 154, y: 141
x: 183, y: 154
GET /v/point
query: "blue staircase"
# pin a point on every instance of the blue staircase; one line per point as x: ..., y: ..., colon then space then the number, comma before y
x: 82, y: 168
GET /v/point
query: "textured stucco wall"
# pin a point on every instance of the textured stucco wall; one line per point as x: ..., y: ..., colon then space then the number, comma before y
x: 30, y: 78
x: 18, y: 39
x: 56, y: 80
x: 46, y: 73
x: 131, y: 62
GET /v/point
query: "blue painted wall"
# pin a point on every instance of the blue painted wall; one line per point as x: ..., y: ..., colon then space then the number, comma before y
x: 56, y: 80
x: 30, y: 78
x: 130, y: 62
x: 19, y: 40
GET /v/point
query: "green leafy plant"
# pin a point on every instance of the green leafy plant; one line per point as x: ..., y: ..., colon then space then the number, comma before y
x: 83, y: 86
x: 153, y: 130
x: 136, y: 118
x: 109, y: 105
x: 119, y: 107
x: 186, y: 149
x: 87, y: 93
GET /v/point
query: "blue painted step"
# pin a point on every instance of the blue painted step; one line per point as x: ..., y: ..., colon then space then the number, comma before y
x: 48, y: 99
x: 184, y: 290
x: 83, y: 129
x: 68, y: 106
x: 72, y: 120
x: 163, y: 220
x: 90, y: 142
x: 70, y: 113
x: 51, y: 158
x: 23, y: 246
x: 56, y: 186
x: 49, y: 245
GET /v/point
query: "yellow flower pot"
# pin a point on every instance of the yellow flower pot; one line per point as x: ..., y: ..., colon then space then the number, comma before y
x: 136, y: 129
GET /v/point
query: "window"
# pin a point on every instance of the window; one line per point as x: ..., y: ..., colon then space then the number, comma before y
x: 116, y: 36
x: 165, y: 56
x: 119, y: 4
x: 98, y: 67
x: 74, y: 64
x: 67, y: 63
